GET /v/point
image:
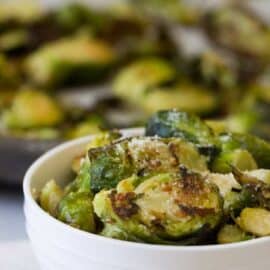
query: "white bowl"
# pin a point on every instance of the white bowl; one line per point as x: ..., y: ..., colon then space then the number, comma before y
x: 59, y: 246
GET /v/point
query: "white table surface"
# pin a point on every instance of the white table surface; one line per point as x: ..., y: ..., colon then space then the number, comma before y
x: 15, y: 249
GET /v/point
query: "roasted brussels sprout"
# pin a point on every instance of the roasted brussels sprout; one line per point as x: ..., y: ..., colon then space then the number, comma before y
x: 76, y: 209
x: 135, y: 80
x: 255, y: 221
x: 162, y: 189
x: 232, y: 234
x: 70, y: 60
x: 257, y: 147
x: 140, y: 156
x: 162, y: 207
x: 239, y: 158
x: 50, y: 196
x: 174, y: 123
x: 255, y: 188
x: 239, y: 31
x: 32, y: 109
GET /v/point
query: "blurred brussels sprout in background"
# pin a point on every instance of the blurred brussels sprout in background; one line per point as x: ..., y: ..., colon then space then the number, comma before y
x: 134, y: 81
x: 14, y: 11
x: 32, y: 109
x: 215, y: 69
x: 183, y: 96
x: 9, y: 77
x: 171, y: 10
x: 91, y: 125
x: 74, y: 60
x: 238, y: 30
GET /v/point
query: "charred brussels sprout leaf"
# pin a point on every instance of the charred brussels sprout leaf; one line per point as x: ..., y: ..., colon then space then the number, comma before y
x: 140, y: 156
x: 162, y: 208
x: 174, y: 123
x: 76, y: 209
x: 107, y: 168
x: 254, y: 187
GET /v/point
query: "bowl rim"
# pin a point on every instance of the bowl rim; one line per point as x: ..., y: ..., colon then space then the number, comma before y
x: 29, y: 199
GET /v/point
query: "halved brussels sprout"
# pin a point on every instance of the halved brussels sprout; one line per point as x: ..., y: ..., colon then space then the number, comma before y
x: 239, y: 158
x: 32, y: 109
x: 162, y: 207
x: 257, y: 147
x: 255, y: 221
x: 232, y: 234
x: 175, y: 123
x: 141, y: 76
x: 50, y: 197
x: 76, y: 209
x: 70, y: 60
x: 256, y: 188
x: 142, y: 156
x: 184, y: 96
x: 233, y: 28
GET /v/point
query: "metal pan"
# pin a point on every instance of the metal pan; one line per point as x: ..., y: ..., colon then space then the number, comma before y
x: 17, y: 154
